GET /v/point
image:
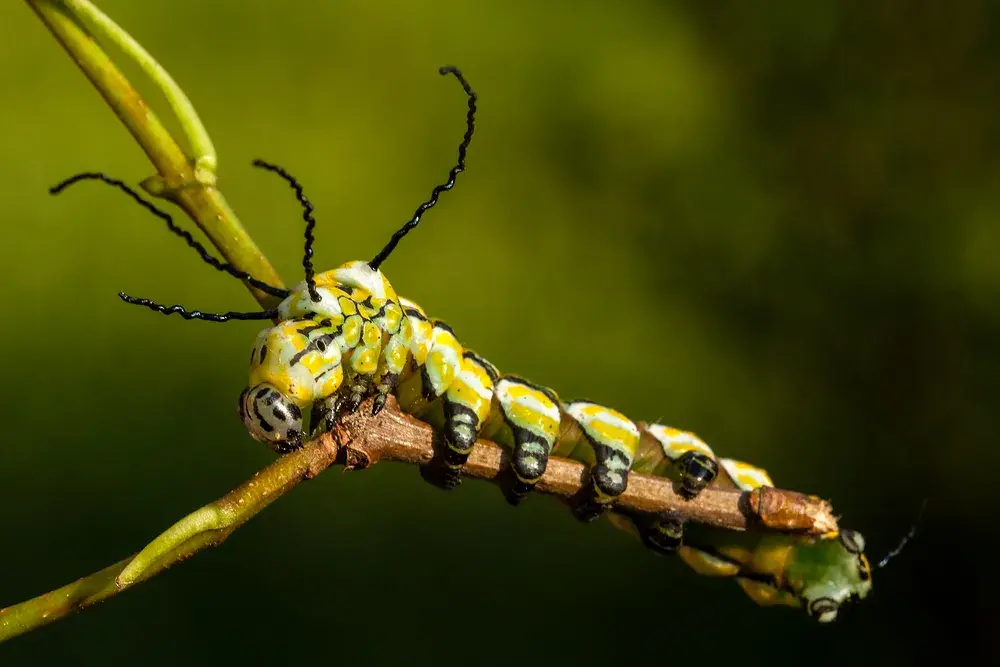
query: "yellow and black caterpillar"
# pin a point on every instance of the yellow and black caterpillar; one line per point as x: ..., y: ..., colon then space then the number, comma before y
x: 344, y: 335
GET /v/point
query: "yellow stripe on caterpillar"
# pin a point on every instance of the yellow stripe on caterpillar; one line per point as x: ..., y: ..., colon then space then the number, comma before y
x: 747, y: 477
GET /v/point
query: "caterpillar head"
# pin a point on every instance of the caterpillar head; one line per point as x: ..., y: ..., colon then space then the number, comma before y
x: 271, y: 417
x: 827, y: 573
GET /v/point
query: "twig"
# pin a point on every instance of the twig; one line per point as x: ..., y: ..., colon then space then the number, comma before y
x: 399, y: 437
x: 363, y: 440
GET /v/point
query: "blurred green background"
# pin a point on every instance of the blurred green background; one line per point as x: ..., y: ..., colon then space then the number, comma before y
x: 792, y: 207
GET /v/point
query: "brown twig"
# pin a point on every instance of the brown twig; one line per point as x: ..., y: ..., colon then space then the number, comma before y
x: 363, y: 440
x: 394, y: 436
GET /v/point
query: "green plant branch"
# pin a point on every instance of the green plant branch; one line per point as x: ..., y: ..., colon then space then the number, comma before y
x: 362, y: 440
x: 206, y: 161
x: 176, y: 179
x: 210, y: 527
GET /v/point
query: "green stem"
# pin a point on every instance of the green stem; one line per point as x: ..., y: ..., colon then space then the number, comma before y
x: 195, y: 192
x: 117, y: 91
x: 202, y: 202
x: 207, y: 527
x: 206, y: 161
x: 191, y: 186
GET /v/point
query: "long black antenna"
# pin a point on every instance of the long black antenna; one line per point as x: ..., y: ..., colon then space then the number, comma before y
x: 906, y: 538
x: 197, y: 314
x: 163, y: 215
x: 307, y: 210
x: 456, y: 170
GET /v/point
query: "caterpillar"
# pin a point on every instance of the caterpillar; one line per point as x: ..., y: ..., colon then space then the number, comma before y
x: 343, y: 336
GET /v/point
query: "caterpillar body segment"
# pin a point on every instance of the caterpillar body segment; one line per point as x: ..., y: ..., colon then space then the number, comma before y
x: 467, y: 404
x: 444, y: 361
x: 530, y: 427
x: 608, y: 441
x: 362, y: 303
x: 744, y: 476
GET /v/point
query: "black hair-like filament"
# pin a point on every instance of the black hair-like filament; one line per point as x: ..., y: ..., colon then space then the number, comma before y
x: 207, y: 257
x: 307, y: 210
x: 197, y: 314
x: 906, y: 538
x: 455, y: 171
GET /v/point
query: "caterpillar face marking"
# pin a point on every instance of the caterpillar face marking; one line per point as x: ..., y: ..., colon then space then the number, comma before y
x: 344, y: 335
x: 271, y: 417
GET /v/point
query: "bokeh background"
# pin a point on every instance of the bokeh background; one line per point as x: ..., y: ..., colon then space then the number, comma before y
x: 790, y: 207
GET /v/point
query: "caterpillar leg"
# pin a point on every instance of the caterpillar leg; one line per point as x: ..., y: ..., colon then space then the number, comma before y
x: 532, y: 414
x: 663, y: 534
x: 692, y: 459
x: 325, y: 413
x: 613, y: 439
x: 391, y: 367
x: 364, y: 364
x: 395, y: 352
x: 697, y: 471
x: 353, y: 394
x: 466, y: 407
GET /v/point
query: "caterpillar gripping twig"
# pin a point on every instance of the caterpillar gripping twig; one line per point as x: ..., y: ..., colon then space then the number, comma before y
x: 360, y: 339
x: 344, y: 335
